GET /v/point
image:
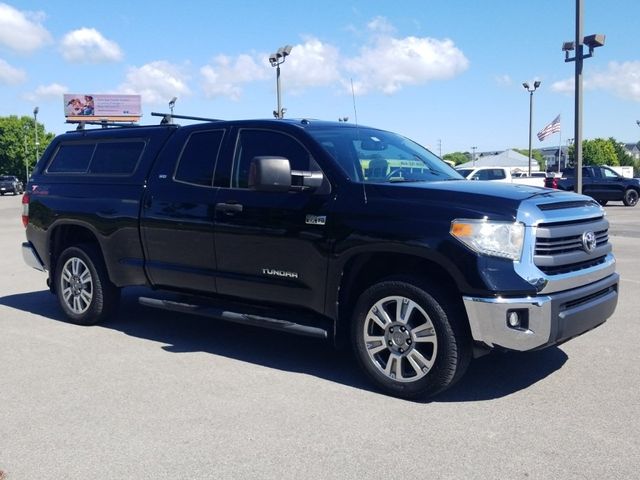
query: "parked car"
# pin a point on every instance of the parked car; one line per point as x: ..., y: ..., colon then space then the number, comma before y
x: 501, y: 174
x: 601, y: 183
x: 10, y: 184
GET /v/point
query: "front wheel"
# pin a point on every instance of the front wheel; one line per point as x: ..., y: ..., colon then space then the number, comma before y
x: 630, y: 197
x: 82, y: 284
x: 409, y: 338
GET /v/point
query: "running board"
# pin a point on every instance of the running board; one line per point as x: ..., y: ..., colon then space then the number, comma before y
x: 236, y: 317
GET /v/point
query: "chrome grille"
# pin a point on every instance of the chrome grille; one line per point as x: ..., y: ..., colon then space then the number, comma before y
x: 559, y: 248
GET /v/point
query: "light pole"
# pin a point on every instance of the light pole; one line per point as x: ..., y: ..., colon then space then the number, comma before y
x: 35, y: 124
x: 526, y: 86
x: 473, y: 155
x: 277, y: 59
x: 593, y: 42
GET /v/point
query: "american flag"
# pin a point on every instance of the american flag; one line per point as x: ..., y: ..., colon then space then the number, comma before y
x: 553, y: 127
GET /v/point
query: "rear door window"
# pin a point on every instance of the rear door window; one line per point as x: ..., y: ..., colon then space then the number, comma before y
x: 198, y: 159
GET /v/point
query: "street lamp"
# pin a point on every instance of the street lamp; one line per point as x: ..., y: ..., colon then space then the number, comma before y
x: 277, y: 59
x: 526, y: 86
x: 35, y: 124
x: 592, y: 42
x: 473, y: 155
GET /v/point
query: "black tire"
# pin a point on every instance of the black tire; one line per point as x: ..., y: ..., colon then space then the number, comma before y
x: 84, y: 291
x: 429, y: 346
x: 603, y: 202
x: 630, y: 197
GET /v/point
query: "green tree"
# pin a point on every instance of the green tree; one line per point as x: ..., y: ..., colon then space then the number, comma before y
x: 596, y: 152
x: 17, y: 145
x: 535, y: 155
x: 457, y: 157
x: 624, y: 158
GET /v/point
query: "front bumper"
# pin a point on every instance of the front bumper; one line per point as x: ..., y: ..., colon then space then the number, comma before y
x: 550, y: 319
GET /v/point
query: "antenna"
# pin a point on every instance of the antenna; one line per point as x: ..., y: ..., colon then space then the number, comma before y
x: 353, y: 96
x: 355, y: 114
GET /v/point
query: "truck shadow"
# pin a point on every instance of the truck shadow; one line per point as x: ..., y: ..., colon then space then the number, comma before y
x: 490, y: 377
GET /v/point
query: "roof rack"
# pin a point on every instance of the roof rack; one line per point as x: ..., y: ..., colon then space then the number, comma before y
x: 168, y: 118
x: 102, y: 123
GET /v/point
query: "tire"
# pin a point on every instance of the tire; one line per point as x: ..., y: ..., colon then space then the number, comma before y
x: 84, y: 291
x: 410, y: 338
x: 630, y: 197
x: 603, y: 202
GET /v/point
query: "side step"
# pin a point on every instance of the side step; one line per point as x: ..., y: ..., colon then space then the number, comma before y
x: 253, y: 319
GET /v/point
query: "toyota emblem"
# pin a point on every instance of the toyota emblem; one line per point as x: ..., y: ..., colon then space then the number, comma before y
x: 589, y: 241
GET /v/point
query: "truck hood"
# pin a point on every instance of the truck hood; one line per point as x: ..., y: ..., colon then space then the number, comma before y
x: 476, y: 199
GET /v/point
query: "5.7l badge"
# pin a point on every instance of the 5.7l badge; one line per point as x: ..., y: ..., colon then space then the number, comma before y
x: 315, y: 220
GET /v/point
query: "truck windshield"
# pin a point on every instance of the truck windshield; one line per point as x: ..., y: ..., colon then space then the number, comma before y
x: 375, y: 156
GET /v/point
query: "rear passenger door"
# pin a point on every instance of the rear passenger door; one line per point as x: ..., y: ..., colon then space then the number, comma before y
x: 178, y: 211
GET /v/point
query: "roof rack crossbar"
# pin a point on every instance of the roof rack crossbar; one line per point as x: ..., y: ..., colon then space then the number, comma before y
x: 102, y: 123
x: 166, y: 117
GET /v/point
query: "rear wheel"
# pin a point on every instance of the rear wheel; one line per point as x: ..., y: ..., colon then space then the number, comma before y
x: 409, y: 338
x: 84, y: 290
x: 630, y: 197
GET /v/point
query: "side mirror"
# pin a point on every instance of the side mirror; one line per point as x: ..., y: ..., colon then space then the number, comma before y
x: 270, y: 174
x: 307, y: 180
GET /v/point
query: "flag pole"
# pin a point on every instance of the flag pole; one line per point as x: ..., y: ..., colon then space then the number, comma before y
x: 560, y: 146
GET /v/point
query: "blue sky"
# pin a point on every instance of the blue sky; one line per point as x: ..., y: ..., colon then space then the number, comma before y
x: 447, y: 74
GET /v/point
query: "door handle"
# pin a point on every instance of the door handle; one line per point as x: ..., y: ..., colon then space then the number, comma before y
x: 229, y: 208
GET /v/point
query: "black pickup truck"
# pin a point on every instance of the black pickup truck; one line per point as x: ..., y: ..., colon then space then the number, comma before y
x: 601, y: 183
x: 10, y: 184
x: 337, y: 231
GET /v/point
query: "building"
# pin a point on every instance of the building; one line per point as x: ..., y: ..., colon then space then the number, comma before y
x: 508, y: 158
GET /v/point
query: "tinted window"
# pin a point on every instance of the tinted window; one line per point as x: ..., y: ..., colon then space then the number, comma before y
x: 368, y: 155
x: 198, y: 158
x: 72, y: 158
x: 256, y: 143
x: 116, y: 158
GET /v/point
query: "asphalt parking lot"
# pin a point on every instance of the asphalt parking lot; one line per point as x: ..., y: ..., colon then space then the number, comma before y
x: 155, y: 395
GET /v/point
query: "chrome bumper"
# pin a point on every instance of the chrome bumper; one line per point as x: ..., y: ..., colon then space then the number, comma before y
x: 551, y: 319
x: 31, y: 258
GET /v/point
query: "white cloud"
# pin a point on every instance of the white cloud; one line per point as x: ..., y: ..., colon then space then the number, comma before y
x: 10, y: 75
x: 621, y: 79
x: 22, y: 31
x: 225, y: 76
x: 46, y: 92
x: 563, y: 86
x: 392, y: 63
x: 157, y: 82
x: 381, y: 25
x: 386, y: 64
x: 87, y: 45
x: 503, y: 80
x: 311, y: 64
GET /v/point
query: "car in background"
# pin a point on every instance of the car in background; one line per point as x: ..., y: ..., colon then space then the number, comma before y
x: 10, y: 184
x: 501, y: 174
x: 601, y: 183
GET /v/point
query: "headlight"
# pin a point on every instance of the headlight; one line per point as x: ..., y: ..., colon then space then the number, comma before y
x: 497, y: 239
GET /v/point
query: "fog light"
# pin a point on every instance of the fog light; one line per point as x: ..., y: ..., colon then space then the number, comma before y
x: 518, y: 319
x: 513, y: 319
